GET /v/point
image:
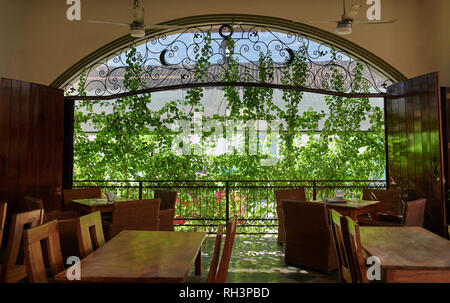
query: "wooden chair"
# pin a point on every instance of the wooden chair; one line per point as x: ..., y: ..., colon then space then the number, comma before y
x: 341, y: 242
x: 309, y: 240
x: 68, y: 237
x: 286, y: 194
x: 3, y: 207
x: 413, y: 215
x: 90, y: 233
x: 390, y: 203
x: 11, y: 271
x: 218, y: 272
x: 355, y: 250
x: 33, y: 251
x: 222, y: 272
x: 67, y: 225
x: 32, y: 203
x: 212, y: 274
x: 80, y: 193
x: 133, y: 215
x: 166, y: 209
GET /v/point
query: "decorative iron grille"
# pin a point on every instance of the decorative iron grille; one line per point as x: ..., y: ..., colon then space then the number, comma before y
x: 169, y: 60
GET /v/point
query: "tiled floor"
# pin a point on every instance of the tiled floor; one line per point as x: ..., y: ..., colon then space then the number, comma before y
x: 260, y: 259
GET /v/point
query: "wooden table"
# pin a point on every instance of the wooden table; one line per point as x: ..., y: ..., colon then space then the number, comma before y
x: 91, y: 205
x: 408, y: 254
x: 352, y: 208
x: 143, y: 256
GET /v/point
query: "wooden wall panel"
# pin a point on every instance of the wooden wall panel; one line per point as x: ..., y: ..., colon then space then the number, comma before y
x: 445, y: 98
x: 27, y: 166
x: 14, y: 137
x: 5, y: 180
x: 69, y: 110
x: 415, y: 158
x: 417, y: 149
x: 410, y: 142
x: 31, y: 138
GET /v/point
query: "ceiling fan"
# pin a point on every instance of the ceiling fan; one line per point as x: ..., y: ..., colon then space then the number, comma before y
x: 344, y: 26
x: 137, y: 27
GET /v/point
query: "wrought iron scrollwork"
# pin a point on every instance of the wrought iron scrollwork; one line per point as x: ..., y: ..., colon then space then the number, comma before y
x: 168, y: 60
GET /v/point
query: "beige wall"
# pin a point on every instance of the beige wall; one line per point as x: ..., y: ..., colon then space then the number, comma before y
x: 38, y: 43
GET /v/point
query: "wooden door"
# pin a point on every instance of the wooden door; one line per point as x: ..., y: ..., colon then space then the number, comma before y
x: 445, y: 98
x: 414, y: 145
x: 31, y: 136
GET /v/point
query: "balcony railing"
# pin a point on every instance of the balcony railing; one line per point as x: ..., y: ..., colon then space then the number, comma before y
x: 204, y: 204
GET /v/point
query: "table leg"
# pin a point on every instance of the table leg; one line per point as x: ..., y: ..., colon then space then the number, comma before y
x: 198, y: 263
x: 354, y: 215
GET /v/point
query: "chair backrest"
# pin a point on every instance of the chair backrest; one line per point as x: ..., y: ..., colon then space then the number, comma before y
x: 414, y: 212
x: 136, y: 215
x: 90, y: 233
x: 32, y: 203
x: 68, y: 237
x: 168, y: 198
x: 390, y: 201
x: 3, y: 206
x: 11, y: 271
x: 290, y: 194
x: 314, y: 222
x: 222, y: 272
x: 341, y: 243
x: 212, y: 275
x: 355, y: 250
x: 80, y: 193
x: 34, y: 259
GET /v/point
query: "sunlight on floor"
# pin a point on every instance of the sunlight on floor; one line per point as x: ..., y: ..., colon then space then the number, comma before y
x: 259, y: 259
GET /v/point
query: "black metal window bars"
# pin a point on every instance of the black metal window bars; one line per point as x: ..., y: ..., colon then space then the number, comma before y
x: 206, y: 203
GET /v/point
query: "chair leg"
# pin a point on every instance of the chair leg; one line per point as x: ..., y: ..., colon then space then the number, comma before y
x: 281, y: 238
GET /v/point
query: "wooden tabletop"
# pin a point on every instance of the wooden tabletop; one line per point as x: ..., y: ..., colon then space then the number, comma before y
x: 91, y: 205
x: 406, y: 247
x: 350, y: 203
x: 97, y: 202
x: 142, y: 256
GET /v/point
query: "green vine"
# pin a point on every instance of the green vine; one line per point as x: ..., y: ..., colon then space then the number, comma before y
x: 134, y: 140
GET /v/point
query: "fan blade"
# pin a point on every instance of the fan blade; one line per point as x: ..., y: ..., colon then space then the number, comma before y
x: 160, y: 26
x: 320, y: 21
x: 353, y: 12
x: 107, y: 22
x: 375, y: 21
